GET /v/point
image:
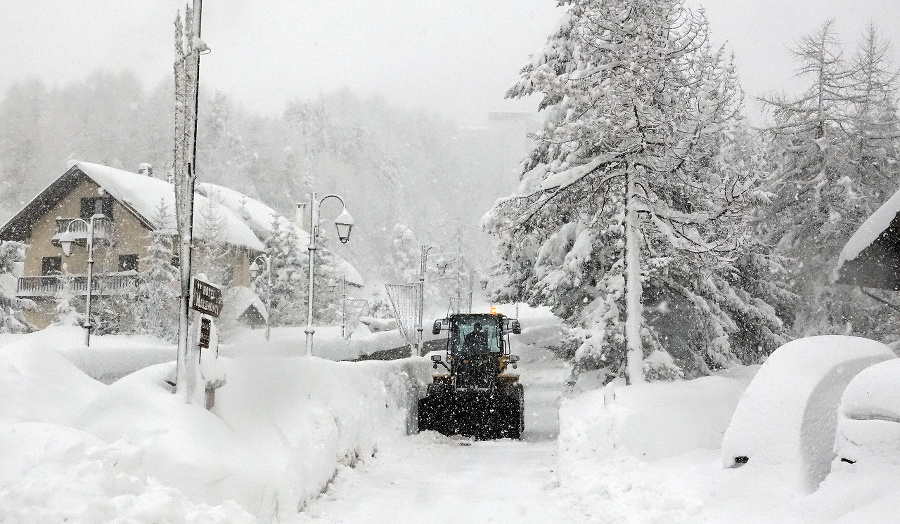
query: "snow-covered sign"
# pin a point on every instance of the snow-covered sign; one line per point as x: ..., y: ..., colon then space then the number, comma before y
x: 206, y: 298
x: 871, y: 258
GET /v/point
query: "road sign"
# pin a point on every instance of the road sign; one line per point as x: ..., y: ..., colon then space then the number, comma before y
x: 206, y: 298
x: 205, y: 328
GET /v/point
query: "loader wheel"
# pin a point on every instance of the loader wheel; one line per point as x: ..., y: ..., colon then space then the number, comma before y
x: 515, y: 412
x: 521, y: 408
x: 426, y: 415
x: 435, y: 411
x: 510, y: 413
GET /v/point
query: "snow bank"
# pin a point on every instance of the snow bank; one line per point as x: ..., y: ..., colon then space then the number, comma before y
x: 279, y: 430
x: 642, y: 453
x: 73, y: 448
x: 784, y: 425
x: 39, y: 385
x: 51, y: 471
x: 654, y: 420
x: 291, y: 342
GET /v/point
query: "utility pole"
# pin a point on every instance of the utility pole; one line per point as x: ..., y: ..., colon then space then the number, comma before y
x: 188, y: 63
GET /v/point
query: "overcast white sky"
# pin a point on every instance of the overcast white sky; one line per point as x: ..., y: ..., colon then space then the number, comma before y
x: 455, y: 56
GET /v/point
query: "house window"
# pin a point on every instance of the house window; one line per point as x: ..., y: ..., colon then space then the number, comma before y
x: 128, y: 262
x: 51, y: 265
x: 90, y: 206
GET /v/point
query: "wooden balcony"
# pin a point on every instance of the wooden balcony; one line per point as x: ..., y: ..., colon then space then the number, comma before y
x: 103, y: 230
x: 48, y: 286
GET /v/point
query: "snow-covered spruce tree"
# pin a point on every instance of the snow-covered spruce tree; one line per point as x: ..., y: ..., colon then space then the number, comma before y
x: 11, y: 318
x: 627, y: 221
x: 288, y: 299
x: 875, y: 136
x: 404, y: 255
x: 158, y: 283
x: 834, y: 155
x: 211, y: 250
x: 451, y: 283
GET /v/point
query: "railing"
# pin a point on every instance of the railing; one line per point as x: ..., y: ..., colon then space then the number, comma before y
x: 102, y: 229
x: 48, y: 286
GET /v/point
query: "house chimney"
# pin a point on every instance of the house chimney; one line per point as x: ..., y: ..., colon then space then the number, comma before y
x: 302, y: 218
x: 145, y: 169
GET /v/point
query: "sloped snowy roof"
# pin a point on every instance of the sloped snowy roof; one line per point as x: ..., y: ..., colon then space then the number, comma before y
x: 238, y: 299
x: 143, y: 194
x: 259, y: 217
x: 871, y: 258
x: 255, y: 214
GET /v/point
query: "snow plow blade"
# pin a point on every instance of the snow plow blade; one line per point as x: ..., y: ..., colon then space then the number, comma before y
x: 483, y: 414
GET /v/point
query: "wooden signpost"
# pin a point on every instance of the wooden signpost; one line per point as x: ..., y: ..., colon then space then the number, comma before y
x: 206, y: 300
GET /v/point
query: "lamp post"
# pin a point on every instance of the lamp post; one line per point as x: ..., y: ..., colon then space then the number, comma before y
x: 421, y: 291
x: 254, y: 272
x: 66, y: 239
x: 344, y: 223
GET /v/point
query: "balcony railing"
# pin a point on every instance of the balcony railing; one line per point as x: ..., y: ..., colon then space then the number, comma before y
x: 48, y: 286
x: 103, y: 228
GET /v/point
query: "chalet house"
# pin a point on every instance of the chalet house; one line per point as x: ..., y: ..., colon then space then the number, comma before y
x: 129, y: 204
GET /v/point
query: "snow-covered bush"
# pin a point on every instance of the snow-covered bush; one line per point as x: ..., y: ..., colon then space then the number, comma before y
x: 65, y: 312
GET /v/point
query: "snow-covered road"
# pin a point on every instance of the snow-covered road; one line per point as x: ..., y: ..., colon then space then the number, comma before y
x: 432, y: 478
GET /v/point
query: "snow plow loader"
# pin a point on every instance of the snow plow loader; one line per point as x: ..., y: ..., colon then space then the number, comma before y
x: 475, y: 397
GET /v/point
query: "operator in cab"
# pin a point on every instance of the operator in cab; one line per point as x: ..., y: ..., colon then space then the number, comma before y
x: 476, y: 342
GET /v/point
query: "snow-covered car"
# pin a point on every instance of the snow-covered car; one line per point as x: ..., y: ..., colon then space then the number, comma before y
x: 868, y: 426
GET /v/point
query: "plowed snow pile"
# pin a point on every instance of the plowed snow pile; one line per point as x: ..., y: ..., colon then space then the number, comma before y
x: 72, y: 448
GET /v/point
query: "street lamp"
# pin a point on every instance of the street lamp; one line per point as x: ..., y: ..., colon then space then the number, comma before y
x: 344, y: 223
x: 254, y: 272
x: 66, y: 239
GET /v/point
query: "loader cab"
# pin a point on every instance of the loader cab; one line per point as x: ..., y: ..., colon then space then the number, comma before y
x: 477, y: 348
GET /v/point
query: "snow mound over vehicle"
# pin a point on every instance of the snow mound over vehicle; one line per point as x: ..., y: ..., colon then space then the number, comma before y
x: 53, y: 471
x: 862, y: 485
x: 39, y: 385
x: 784, y: 425
x: 869, y: 419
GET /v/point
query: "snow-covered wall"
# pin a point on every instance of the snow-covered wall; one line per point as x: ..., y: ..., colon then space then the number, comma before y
x: 784, y: 424
x: 280, y: 430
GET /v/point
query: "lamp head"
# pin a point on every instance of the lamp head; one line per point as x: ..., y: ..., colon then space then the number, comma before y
x: 254, y: 269
x: 344, y: 223
x: 66, y: 239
